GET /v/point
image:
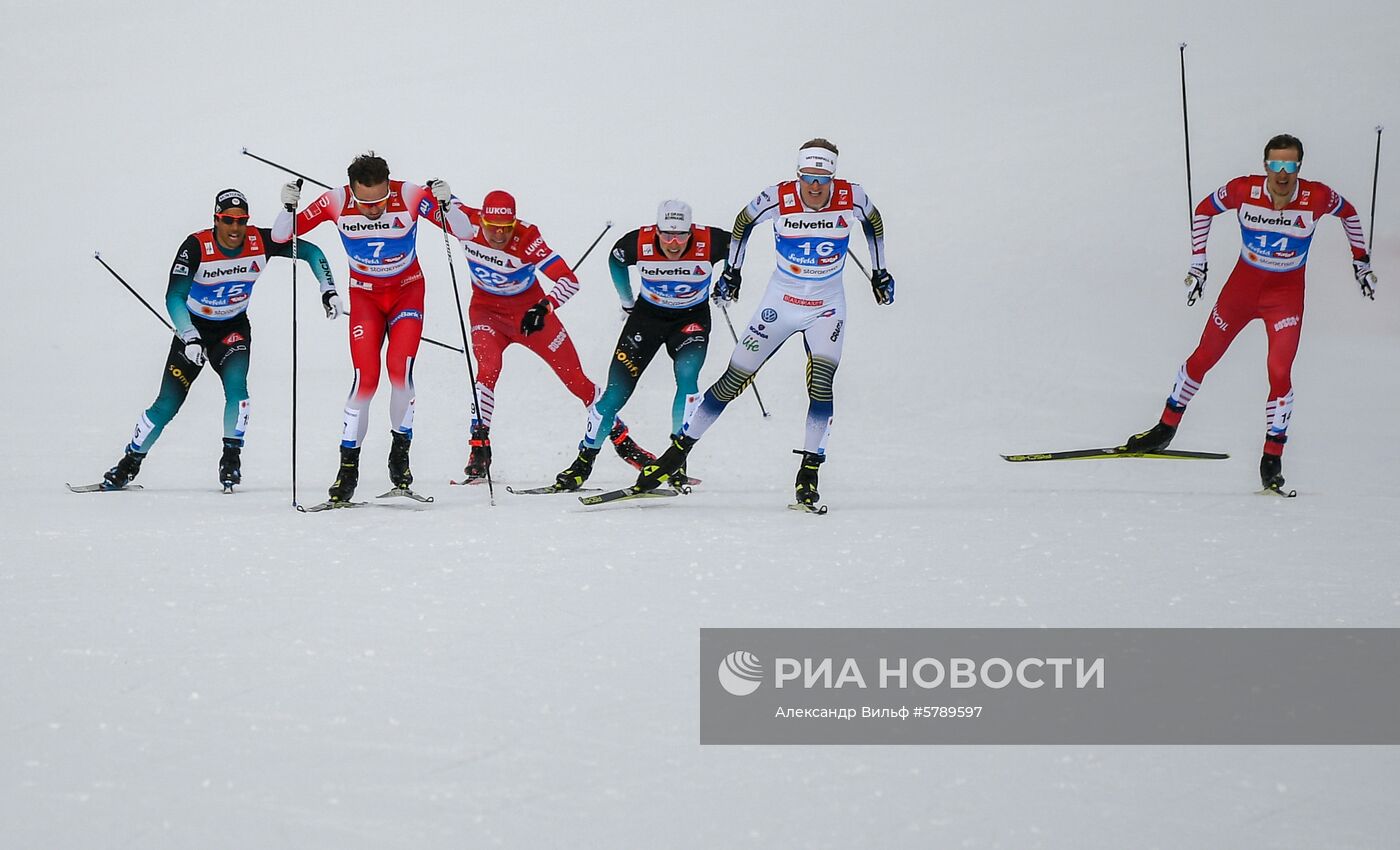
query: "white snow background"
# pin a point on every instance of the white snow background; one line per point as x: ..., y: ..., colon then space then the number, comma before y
x: 181, y: 668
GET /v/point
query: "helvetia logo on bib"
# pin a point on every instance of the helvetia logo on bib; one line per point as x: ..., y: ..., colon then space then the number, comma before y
x: 741, y: 673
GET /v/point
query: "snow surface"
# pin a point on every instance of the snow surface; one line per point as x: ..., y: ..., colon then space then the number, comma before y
x: 186, y: 669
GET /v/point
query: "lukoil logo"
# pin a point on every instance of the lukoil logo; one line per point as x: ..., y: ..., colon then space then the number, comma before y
x: 741, y: 673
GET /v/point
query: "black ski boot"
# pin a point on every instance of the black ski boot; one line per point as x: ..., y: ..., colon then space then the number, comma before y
x: 343, y: 490
x: 663, y: 468
x: 126, y: 469
x: 480, y: 461
x: 399, y: 474
x: 1154, y: 439
x: 231, y: 464
x: 1271, y: 464
x: 578, y: 472
x: 807, y: 477
x: 1271, y: 471
x: 627, y: 448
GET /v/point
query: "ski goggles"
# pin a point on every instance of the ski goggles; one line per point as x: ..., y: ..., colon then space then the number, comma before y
x: 231, y: 219
x: 1285, y: 165
x: 364, y: 203
x: 815, y: 179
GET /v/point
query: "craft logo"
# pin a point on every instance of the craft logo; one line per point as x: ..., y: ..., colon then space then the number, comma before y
x: 740, y: 673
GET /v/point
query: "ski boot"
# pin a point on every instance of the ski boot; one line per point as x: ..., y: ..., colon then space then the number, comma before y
x: 578, y: 472
x: 662, y: 469
x: 1271, y: 464
x: 399, y: 474
x: 1154, y: 439
x: 480, y: 461
x: 807, y: 477
x: 231, y: 464
x: 1271, y: 471
x: 126, y: 469
x: 627, y: 448
x: 343, y: 490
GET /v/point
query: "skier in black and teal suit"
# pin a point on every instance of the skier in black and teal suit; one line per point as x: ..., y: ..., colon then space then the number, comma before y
x: 675, y: 261
x: 207, y: 297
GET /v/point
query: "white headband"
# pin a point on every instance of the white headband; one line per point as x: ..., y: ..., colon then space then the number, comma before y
x: 815, y: 157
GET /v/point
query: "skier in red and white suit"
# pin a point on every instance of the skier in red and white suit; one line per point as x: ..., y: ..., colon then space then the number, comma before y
x: 1278, y: 214
x: 508, y: 307
x: 378, y: 223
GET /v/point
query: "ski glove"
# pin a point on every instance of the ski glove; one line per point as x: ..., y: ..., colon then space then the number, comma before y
x: 533, y: 320
x: 883, y: 285
x: 1365, y: 277
x: 194, y: 350
x: 727, y: 287
x: 442, y: 192
x: 291, y: 195
x: 331, y: 301
x: 1195, y: 281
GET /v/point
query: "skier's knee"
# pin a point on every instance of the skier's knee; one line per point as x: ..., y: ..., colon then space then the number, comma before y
x: 821, y: 375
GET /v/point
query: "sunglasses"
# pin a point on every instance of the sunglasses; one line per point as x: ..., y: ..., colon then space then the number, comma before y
x: 667, y: 236
x: 814, y: 179
x: 1287, y: 165
x: 231, y: 219
x: 362, y: 202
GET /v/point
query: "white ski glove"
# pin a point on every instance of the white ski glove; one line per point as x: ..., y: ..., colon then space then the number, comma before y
x: 442, y: 192
x: 291, y: 194
x: 1365, y: 277
x: 1195, y: 281
x: 194, y: 349
x: 331, y: 301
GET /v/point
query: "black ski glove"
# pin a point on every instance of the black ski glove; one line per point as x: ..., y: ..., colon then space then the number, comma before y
x: 533, y: 320
x: 883, y: 286
x: 727, y: 287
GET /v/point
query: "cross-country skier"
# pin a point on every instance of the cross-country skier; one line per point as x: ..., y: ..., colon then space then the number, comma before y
x: 509, y: 307
x: 675, y: 260
x: 1278, y: 213
x: 378, y: 223
x: 211, y: 282
x: 813, y: 217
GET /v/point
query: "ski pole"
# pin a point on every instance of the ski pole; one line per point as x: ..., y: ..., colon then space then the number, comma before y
x: 295, y: 250
x: 724, y: 308
x: 1366, y: 288
x: 280, y: 167
x: 466, y: 345
x: 1196, y: 291
x: 1186, y: 134
x: 606, y: 227
x: 97, y: 255
x: 1375, y: 179
x: 860, y: 266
